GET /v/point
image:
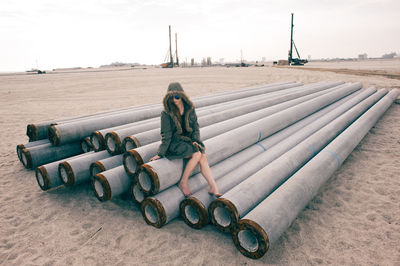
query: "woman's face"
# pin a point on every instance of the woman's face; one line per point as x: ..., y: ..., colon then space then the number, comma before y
x: 177, y: 99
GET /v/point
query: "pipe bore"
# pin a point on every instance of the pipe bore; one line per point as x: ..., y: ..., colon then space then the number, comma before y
x: 223, y: 214
x: 113, y: 143
x: 42, y: 178
x: 97, y: 141
x: 153, y: 212
x: 250, y: 239
x: 132, y: 161
x: 101, y: 187
x: 86, y: 145
x: 148, y: 180
x: 96, y: 167
x: 136, y: 194
x: 130, y: 143
x: 194, y: 213
x: 66, y: 173
x: 26, y: 158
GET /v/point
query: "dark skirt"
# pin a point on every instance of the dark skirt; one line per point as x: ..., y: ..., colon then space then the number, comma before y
x: 179, y: 149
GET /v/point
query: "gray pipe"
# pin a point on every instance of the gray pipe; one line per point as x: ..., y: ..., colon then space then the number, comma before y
x: 47, y: 175
x: 40, y: 130
x: 163, y: 207
x: 76, y: 130
x: 46, y: 153
x: 75, y: 171
x: 163, y: 173
x: 98, y: 137
x: 194, y: 209
x: 265, y: 224
x: 136, y: 194
x: 21, y: 147
x: 110, y: 183
x: 105, y: 164
x: 226, y: 211
x: 241, y: 114
x: 209, y: 115
x: 86, y: 145
x: 133, y: 158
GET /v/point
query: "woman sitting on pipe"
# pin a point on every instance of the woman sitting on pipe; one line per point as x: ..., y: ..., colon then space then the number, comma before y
x: 180, y: 137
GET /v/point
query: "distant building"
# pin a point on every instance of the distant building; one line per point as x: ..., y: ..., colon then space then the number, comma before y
x: 389, y: 56
x: 221, y: 61
x: 362, y: 56
x: 208, y: 61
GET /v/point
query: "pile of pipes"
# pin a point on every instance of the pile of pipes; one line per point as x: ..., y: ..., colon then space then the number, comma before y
x: 270, y: 148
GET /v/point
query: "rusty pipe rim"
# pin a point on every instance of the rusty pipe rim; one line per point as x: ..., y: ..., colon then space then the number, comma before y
x: 153, y: 212
x: 113, y: 143
x: 250, y: 239
x: 101, y: 187
x: 66, y: 174
x: 194, y: 213
x: 42, y: 178
x: 223, y: 214
x: 97, y: 140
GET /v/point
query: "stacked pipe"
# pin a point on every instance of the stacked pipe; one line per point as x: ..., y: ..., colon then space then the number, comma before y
x: 266, y: 146
x: 102, y: 183
x: 120, y: 177
x: 262, y: 226
x: 42, y: 154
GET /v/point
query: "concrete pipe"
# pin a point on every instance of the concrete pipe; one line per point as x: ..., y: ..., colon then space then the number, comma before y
x: 226, y: 211
x: 46, y: 153
x: 136, y: 193
x: 110, y: 183
x: 21, y: 147
x: 163, y: 173
x: 76, y: 130
x: 105, y: 164
x: 163, y: 207
x: 211, y: 125
x: 265, y: 224
x: 194, y: 209
x: 210, y: 115
x: 86, y: 145
x: 98, y: 137
x: 136, y: 157
x: 40, y: 130
x: 47, y: 175
x: 76, y: 170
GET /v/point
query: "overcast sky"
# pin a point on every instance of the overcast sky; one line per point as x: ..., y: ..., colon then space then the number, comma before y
x: 68, y: 33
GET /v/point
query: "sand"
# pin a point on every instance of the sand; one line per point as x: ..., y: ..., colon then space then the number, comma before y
x: 354, y: 219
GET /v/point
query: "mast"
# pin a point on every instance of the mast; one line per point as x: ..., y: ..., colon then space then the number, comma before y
x: 291, y: 41
x: 171, y: 61
x: 176, y: 49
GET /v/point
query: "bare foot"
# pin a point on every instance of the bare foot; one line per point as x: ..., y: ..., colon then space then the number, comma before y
x: 214, y: 192
x: 185, y: 189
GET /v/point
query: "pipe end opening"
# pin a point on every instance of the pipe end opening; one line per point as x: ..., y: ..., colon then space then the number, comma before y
x: 137, y: 194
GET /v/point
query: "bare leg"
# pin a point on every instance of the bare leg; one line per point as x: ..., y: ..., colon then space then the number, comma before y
x: 206, y: 172
x: 183, y: 184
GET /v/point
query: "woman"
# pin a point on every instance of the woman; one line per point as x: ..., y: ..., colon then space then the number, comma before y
x: 180, y: 137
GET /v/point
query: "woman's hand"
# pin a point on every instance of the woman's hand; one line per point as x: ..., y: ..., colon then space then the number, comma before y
x: 155, y: 158
x: 196, y: 144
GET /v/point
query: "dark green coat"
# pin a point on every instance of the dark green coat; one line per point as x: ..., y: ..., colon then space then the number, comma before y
x: 176, y: 141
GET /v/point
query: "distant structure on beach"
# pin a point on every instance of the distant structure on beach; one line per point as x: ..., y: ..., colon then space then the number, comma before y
x: 171, y: 63
x: 389, y: 55
x: 363, y: 56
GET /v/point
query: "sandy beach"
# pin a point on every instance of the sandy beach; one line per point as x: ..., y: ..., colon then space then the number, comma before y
x: 354, y: 219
